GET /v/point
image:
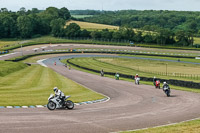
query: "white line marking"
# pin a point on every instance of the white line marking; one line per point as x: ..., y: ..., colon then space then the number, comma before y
x: 9, y: 107
x: 41, y: 62
x: 39, y: 106
x: 25, y: 107
x: 8, y: 54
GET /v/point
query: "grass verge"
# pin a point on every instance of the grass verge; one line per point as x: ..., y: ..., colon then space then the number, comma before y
x: 185, y: 127
x: 112, y: 68
x: 7, y: 67
x: 33, y: 85
x: 145, y: 68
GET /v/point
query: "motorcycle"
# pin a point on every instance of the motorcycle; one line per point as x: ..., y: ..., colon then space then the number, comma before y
x: 55, y: 103
x: 157, y: 84
x: 117, y: 76
x: 137, y: 81
x: 167, y: 91
x: 102, y: 74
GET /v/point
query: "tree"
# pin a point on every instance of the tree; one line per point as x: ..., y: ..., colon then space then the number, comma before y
x: 138, y: 37
x: 8, y: 26
x: 181, y: 38
x: 95, y: 34
x: 57, y: 27
x: 117, y: 35
x: 85, y: 33
x: 148, y: 38
x: 64, y: 13
x: 4, y: 10
x: 73, y: 30
x: 22, y: 11
x: 127, y: 33
x: 25, y: 26
x: 106, y: 34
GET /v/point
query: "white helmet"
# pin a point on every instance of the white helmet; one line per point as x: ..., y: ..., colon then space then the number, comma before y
x: 164, y: 83
x: 137, y: 74
x: 55, y: 89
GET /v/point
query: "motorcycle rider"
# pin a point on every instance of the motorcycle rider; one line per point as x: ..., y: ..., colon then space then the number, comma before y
x: 102, y: 73
x: 165, y: 85
x: 136, y: 76
x: 59, y: 94
x: 117, y: 76
x: 154, y: 80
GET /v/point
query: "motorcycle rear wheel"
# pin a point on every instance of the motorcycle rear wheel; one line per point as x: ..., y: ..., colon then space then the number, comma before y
x: 51, y: 105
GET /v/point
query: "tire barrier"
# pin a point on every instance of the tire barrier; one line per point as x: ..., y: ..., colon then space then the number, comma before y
x: 181, y: 83
x: 4, y: 52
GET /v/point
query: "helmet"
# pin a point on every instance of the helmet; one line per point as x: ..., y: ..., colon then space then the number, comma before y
x: 137, y: 74
x: 164, y: 82
x: 55, y: 89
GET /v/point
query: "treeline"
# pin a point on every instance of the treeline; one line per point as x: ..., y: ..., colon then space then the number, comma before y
x: 85, y: 12
x: 26, y: 24
x: 150, y: 20
x: 162, y: 36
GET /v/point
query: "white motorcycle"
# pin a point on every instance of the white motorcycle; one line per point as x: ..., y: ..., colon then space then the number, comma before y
x: 167, y: 91
x: 137, y: 81
x: 55, y: 103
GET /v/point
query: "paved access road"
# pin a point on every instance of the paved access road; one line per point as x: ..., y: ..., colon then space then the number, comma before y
x: 130, y: 107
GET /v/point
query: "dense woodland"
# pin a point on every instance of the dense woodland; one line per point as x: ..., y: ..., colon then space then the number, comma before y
x: 150, y: 19
x: 26, y: 24
x: 156, y: 27
x: 175, y: 23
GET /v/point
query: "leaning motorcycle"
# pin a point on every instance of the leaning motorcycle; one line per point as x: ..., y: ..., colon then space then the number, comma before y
x: 157, y: 84
x: 117, y: 76
x: 167, y: 90
x: 137, y: 81
x: 54, y: 103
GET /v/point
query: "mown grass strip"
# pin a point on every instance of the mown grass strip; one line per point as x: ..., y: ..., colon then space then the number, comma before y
x: 34, y: 84
x: 7, y: 67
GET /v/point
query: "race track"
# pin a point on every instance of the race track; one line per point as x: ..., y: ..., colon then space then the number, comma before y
x: 130, y: 107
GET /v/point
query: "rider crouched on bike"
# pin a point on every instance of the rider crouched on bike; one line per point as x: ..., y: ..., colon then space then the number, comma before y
x: 154, y: 81
x: 136, y: 76
x: 165, y: 85
x: 59, y: 94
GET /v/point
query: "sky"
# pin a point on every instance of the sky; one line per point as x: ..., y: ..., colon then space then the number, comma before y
x: 180, y: 5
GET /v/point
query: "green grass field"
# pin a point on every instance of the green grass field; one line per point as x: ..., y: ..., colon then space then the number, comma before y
x: 186, y: 127
x: 7, y: 67
x: 93, y: 26
x: 196, y: 40
x: 81, y: 16
x: 4, y: 43
x: 33, y: 85
x: 146, y: 68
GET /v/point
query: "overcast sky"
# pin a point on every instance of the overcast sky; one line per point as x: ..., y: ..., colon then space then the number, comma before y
x: 184, y: 5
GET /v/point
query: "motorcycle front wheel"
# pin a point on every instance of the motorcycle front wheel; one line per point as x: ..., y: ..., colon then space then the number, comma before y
x: 69, y: 104
x: 167, y: 93
x: 51, y: 105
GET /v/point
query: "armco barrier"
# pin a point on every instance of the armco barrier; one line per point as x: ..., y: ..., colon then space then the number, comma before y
x: 189, y: 84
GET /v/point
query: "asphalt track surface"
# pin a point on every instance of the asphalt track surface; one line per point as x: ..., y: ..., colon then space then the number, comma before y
x: 130, y: 107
